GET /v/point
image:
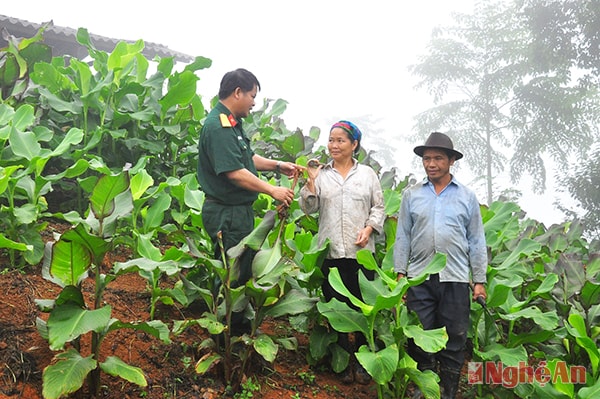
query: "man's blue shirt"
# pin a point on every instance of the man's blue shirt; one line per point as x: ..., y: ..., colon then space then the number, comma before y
x: 448, y: 222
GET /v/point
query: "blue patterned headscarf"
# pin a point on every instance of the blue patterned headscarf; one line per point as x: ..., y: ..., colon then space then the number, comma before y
x: 350, y: 128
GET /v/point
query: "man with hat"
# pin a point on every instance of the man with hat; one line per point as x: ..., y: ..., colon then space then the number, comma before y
x: 440, y: 215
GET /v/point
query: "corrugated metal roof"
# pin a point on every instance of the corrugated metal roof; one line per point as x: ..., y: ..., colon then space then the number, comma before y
x: 63, y: 40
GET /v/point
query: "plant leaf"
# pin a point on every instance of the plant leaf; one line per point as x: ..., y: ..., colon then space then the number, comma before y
x: 67, y: 375
x: 381, y: 365
x: 68, y: 322
x: 118, y: 368
x: 264, y: 346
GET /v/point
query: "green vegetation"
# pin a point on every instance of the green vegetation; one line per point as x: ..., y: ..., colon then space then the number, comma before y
x: 112, y: 152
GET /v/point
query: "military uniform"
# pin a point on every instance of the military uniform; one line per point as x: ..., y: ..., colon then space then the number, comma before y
x: 224, y: 147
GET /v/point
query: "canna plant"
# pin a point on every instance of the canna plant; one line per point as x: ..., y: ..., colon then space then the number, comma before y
x: 384, y: 320
x: 273, y: 291
x: 75, y: 256
x: 23, y: 183
x: 124, y: 113
x: 544, y: 295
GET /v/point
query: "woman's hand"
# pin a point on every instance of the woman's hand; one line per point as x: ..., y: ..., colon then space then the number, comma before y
x: 314, y: 166
x: 363, y: 236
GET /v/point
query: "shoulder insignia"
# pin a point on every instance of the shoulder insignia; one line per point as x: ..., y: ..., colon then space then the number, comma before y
x: 224, y: 120
x: 232, y: 120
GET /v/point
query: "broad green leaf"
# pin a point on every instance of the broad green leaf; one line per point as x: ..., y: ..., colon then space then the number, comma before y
x: 266, y: 260
x: 380, y: 365
x: 66, y: 262
x: 10, y: 244
x: 319, y: 340
x: 343, y: 318
x: 263, y: 296
x: 58, y: 104
x: 427, y: 381
x: 70, y: 295
x: 431, y: 341
x: 49, y: 77
x: 24, y: 144
x: 121, y: 57
x: 6, y: 114
x: 11, y: 69
x: 35, y: 245
x: 288, y: 343
x: 5, y: 176
x: 198, y: 64
x: 547, y: 285
x: 74, y: 136
x: 592, y: 392
x: 337, y: 284
x: 102, y: 200
x: 391, y: 200
x: 118, y: 368
x: 193, y: 198
x: 590, y: 294
x: 546, y: 320
x: 206, y: 362
x: 592, y: 268
x: 67, y: 375
x: 531, y: 337
x: 256, y: 238
x: 278, y: 107
x: 208, y: 321
x: 140, y: 182
x: 508, y: 356
x: 26, y: 213
x: 95, y: 245
x: 83, y: 77
x: 36, y: 52
x: 497, y: 294
x: 181, y: 93
x: 294, y: 144
x: 339, y: 359
x: 68, y: 322
x: 156, y: 328
x: 312, y: 257
x: 169, y: 267
x: 561, y: 378
x: 23, y: 118
x: 525, y: 248
x: 437, y: 263
x: 156, y: 212
x: 577, y: 328
x: 264, y: 346
x: 294, y: 302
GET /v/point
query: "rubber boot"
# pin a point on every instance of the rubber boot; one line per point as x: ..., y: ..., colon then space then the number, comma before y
x: 449, y: 379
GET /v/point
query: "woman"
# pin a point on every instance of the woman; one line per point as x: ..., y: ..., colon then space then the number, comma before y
x: 349, y: 200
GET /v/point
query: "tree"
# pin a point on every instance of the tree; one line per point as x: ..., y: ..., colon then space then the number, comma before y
x: 505, y: 106
x: 566, y: 38
x: 582, y: 183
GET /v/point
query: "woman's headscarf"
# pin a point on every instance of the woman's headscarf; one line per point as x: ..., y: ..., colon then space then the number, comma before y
x: 351, y: 129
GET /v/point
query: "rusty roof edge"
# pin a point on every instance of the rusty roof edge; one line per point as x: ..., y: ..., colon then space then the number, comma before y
x: 150, y: 49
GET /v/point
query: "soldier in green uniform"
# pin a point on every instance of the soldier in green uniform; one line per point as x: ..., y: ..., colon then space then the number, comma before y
x: 227, y: 167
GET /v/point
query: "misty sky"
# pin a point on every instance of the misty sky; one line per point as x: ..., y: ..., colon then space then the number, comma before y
x: 329, y: 59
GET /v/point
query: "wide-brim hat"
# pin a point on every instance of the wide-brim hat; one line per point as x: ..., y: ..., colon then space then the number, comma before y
x: 438, y: 140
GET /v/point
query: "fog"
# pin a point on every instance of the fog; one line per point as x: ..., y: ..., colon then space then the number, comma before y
x: 329, y: 59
